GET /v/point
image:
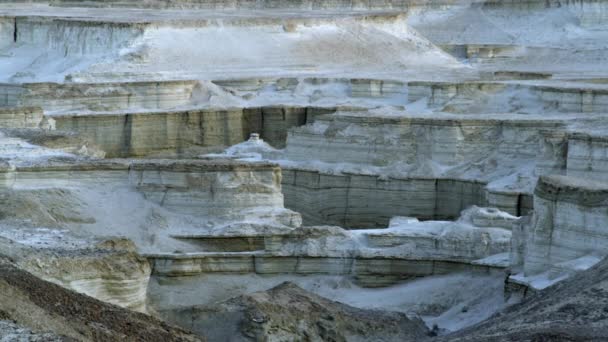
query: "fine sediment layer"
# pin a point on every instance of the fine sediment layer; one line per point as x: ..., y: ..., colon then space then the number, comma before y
x: 472, y: 96
x: 568, y: 222
x: 100, y: 97
x: 368, y: 272
x: 110, y: 271
x: 364, y: 201
x: 305, y: 4
x: 376, y: 257
x: 587, y: 156
x: 379, y: 141
x: 178, y: 132
x: 43, y: 306
x: 200, y: 188
x: 24, y: 117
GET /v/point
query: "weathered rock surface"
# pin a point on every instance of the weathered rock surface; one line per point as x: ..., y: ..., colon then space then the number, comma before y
x: 110, y: 271
x: 568, y: 222
x: 573, y: 310
x: 370, y: 110
x: 288, y: 313
x: 23, y: 117
x: 99, y: 97
x: 10, y: 331
x: 566, y: 233
x: 43, y: 306
x: 371, y: 258
x: 60, y: 224
x: 186, y: 133
x: 374, y: 257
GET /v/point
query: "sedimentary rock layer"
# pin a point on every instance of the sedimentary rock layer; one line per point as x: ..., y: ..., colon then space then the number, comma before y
x: 24, y: 117
x: 376, y: 257
x: 197, y: 187
x: 43, y: 306
x: 360, y: 201
x: 390, y: 137
x: 568, y: 222
x: 100, y: 97
x: 298, y: 4
x: 110, y: 271
x: 587, y: 156
x: 183, y: 133
x: 489, y: 97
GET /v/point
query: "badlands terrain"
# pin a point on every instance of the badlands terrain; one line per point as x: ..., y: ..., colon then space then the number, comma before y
x: 304, y: 170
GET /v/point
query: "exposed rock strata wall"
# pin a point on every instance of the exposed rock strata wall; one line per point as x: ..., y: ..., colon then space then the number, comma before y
x: 369, y: 88
x: 245, y: 4
x: 360, y: 201
x: 587, y: 156
x: 56, y: 196
x: 28, y: 117
x: 177, y: 132
x: 43, y: 306
x: 569, y: 222
x: 364, y: 201
x: 370, y: 272
x: 377, y: 257
x: 379, y: 141
x: 460, y: 97
x: 107, y: 273
x: 103, y: 97
x: 72, y: 38
x: 310, y: 4
x: 196, y: 187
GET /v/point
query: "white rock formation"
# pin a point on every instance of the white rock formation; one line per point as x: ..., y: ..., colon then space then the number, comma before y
x: 369, y: 114
x: 566, y: 233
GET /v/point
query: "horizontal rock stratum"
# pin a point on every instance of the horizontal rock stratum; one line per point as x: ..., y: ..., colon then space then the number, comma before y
x: 287, y: 170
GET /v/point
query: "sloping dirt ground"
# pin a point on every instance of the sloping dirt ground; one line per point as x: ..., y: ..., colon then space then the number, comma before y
x: 289, y: 313
x: 573, y: 310
x: 42, y: 306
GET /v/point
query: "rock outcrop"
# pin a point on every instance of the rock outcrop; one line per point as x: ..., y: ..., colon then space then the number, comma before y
x: 573, y: 310
x: 42, y: 306
x: 566, y: 233
x: 288, y: 313
x: 110, y: 271
x: 395, y: 145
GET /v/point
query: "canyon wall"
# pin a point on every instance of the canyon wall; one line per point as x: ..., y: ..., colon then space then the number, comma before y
x: 179, y: 132
x: 568, y: 222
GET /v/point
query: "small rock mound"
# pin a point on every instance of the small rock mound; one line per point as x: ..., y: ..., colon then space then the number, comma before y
x: 289, y: 313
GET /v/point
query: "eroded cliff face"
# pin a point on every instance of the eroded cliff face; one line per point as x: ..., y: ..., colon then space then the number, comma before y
x: 59, y: 212
x: 437, y: 159
x: 43, y: 306
x: 564, y: 235
x: 110, y: 271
